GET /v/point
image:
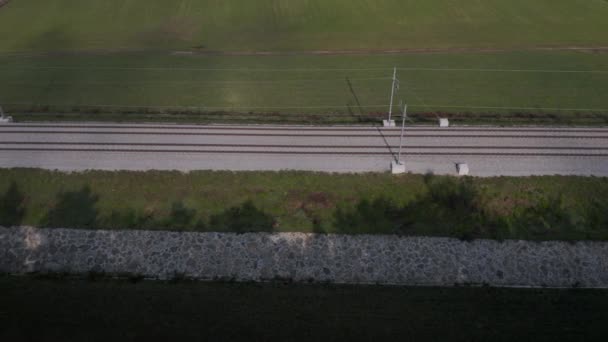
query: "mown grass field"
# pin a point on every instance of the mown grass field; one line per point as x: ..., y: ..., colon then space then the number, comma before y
x: 39, y: 25
x: 556, y: 87
x: 72, y: 61
x: 536, y: 208
x: 102, y: 310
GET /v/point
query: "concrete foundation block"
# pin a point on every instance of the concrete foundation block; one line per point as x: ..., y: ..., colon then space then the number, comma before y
x: 397, y: 167
x: 463, y: 169
x: 388, y: 123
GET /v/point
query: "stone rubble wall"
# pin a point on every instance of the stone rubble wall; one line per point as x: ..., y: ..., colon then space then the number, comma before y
x: 300, y: 257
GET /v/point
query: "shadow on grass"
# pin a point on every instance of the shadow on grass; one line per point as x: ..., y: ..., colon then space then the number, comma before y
x: 181, y: 217
x: 550, y: 217
x: 242, y: 219
x: 597, y: 217
x: 355, y: 97
x: 455, y: 208
x: 239, y: 219
x: 380, y: 216
x: 12, y: 206
x: 448, y: 207
x: 75, y: 209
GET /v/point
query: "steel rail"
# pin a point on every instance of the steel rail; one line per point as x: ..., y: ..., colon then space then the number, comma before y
x: 410, y: 135
x: 496, y: 147
x: 320, y: 129
x: 493, y: 154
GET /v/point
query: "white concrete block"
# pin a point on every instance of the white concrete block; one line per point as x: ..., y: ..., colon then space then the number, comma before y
x: 6, y: 119
x: 444, y: 122
x: 463, y: 169
x: 397, y: 167
x: 388, y: 123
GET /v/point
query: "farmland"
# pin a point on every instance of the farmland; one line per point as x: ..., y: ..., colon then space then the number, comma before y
x: 498, y: 61
x: 38, y: 25
x: 101, y: 310
x: 336, y: 88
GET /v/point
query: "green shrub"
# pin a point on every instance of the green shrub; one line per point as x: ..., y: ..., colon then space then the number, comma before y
x: 541, y: 220
x: 450, y: 204
x: 242, y: 219
x: 181, y: 217
x: 380, y: 216
x: 12, y: 207
x: 75, y: 209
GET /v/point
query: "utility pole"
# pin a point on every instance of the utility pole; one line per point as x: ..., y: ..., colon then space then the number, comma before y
x: 402, y: 131
x: 395, y: 86
x: 397, y: 166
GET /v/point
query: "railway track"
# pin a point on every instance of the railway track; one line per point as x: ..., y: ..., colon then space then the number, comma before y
x: 318, y: 128
x: 405, y: 147
x: 489, y: 150
x: 407, y: 134
x: 346, y: 153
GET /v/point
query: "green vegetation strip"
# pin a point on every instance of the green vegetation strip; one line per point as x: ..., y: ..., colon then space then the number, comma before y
x: 536, y: 208
x: 507, y: 88
x: 71, y: 61
x: 102, y: 310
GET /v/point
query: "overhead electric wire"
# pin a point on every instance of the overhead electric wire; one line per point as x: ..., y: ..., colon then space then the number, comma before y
x: 302, y: 69
x: 420, y: 105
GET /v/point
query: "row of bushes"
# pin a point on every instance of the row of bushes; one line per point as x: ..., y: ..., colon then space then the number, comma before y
x: 455, y: 208
x: 449, y: 207
x: 77, y: 209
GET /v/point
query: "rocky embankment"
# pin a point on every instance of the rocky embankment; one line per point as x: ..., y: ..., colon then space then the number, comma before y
x: 299, y: 257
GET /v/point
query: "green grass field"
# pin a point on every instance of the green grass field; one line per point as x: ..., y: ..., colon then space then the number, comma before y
x: 305, y: 88
x: 536, y: 208
x: 114, y: 60
x: 38, y: 25
x: 94, y: 78
x: 104, y: 310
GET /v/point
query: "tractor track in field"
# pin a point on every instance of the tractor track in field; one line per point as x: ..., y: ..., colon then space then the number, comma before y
x: 337, y: 52
x: 405, y: 51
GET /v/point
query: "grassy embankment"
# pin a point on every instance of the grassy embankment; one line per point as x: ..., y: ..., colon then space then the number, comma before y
x: 102, y: 310
x: 152, y: 86
x: 536, y: 208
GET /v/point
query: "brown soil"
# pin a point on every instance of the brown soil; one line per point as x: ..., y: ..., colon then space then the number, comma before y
x: 309, y: 203
x: 3, y: 2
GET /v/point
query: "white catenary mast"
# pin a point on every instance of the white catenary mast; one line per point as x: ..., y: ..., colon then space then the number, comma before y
x: 395, y: 86
x: 398, y: 166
